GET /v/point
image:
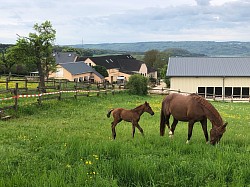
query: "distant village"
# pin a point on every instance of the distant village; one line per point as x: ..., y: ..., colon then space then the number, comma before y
x: 119, y: 67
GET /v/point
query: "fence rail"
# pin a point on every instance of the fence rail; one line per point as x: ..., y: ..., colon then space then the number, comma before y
x: 54, y: 90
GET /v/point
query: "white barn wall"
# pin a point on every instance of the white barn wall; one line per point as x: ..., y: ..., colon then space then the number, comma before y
x: 191, y: 84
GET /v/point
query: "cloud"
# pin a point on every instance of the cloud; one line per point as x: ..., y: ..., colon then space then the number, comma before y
x: 203, y: 2
x: 115, y: 21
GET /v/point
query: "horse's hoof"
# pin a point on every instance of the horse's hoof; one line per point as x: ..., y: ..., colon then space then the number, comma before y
x: 171, y: 136
x: 170, y: 133
x: 207, y: 142
x: 187, y: 142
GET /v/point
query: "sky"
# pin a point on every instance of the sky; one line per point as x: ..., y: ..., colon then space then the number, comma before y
x: 127, y: 21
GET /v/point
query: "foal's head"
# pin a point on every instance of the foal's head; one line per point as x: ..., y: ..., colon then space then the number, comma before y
x: 216, y: 133
x: 148, y: 109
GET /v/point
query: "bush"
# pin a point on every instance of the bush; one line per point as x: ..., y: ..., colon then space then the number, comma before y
x: 137, y: 85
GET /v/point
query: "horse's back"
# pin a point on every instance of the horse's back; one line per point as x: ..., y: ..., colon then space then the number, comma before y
x: 124, y: 114
x: 182, y: 107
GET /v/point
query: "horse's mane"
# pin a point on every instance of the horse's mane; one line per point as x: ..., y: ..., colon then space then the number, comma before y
x: 138, y: 107
x: 213, y: 113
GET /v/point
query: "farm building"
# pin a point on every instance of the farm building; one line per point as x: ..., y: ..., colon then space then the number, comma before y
x: 210, y: 76
x: 76, y: 71
x: 120, y: 67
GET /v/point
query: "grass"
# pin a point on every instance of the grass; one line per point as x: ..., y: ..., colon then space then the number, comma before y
x: 68, y: 143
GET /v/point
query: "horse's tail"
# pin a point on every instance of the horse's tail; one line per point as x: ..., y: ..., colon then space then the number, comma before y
x: 109, y: 112
x: 163, y: 122
x: 165, y: 114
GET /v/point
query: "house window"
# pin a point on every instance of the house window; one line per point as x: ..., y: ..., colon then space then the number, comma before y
x: 80, y: 79
x: 236, y: 92
x: 59, y: 72
x: 90, y: 64
x: 92, y: 79
x: 75, y: 79
x: 245, y: 92
x: 86, y: 78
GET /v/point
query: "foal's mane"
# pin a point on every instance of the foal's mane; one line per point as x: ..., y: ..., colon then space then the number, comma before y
x: 138, y: 107
x: 214, y: 114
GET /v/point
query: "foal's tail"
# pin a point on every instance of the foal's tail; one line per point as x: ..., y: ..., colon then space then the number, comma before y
x: 109, y: 112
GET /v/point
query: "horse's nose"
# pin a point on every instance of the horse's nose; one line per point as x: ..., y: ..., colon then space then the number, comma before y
x: 152, y: 113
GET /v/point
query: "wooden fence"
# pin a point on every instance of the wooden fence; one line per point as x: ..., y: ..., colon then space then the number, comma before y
x: 54, y: 89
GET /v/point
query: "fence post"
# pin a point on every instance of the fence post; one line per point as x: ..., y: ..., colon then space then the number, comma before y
x: 26, y: 84
x: 39, y: 97
x: 60, y: 89
x: 16, y: 97
x: 75, y: 92
x: 7, y: 83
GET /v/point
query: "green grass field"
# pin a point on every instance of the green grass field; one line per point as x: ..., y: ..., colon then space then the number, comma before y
x: 68, y: 143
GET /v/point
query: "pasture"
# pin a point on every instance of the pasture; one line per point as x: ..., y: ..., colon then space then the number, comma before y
x: 69, y: 143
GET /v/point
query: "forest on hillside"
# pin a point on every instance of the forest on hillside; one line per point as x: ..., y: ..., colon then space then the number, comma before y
x: 208, y: 48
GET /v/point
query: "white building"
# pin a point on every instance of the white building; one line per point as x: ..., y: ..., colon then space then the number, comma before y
x: 210, y: 76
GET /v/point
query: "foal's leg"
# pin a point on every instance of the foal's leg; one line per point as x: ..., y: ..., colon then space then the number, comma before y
x: 113, y: 125
x: 204, y: 128
x: 133, y: 130
x: 171, y: 132
x: 136, y: 124
x: 190, y: 130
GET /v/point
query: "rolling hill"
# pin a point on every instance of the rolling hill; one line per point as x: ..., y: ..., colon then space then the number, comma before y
x: 209, y: 48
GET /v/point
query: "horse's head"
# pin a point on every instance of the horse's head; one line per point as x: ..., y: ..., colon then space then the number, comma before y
x: 216, y: 133
x: 148, y: 108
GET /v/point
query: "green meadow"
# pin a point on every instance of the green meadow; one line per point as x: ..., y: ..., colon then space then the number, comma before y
x: 68, y: 143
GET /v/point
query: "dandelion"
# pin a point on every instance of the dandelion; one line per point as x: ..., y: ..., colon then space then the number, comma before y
x: 96, y: 157
x: 88, y: 162
x: 68, y: 166
x: 65, y: 144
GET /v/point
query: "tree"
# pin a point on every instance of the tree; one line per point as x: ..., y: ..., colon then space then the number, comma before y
x: 163, y: 75
x: 102, y: 70
x: 150, y: 57
x: 9, y: 58
x: 38, y: 49
x: 138, y: 85
x: 157, y: 60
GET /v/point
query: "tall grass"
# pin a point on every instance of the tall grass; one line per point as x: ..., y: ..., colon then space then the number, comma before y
x: 68, y: 143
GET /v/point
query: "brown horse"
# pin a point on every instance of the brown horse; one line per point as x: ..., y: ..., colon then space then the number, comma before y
x: 191, y: 108
x: 132, y: 116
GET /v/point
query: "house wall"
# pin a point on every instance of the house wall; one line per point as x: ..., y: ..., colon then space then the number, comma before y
x: 61, y: 73
x: 153, y: 74
x: 89, y: 62
x: 96, y: 78
x: 114, y: 73
x: 191, y: 84
x: 143, y: 70
x: 64, y: 74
